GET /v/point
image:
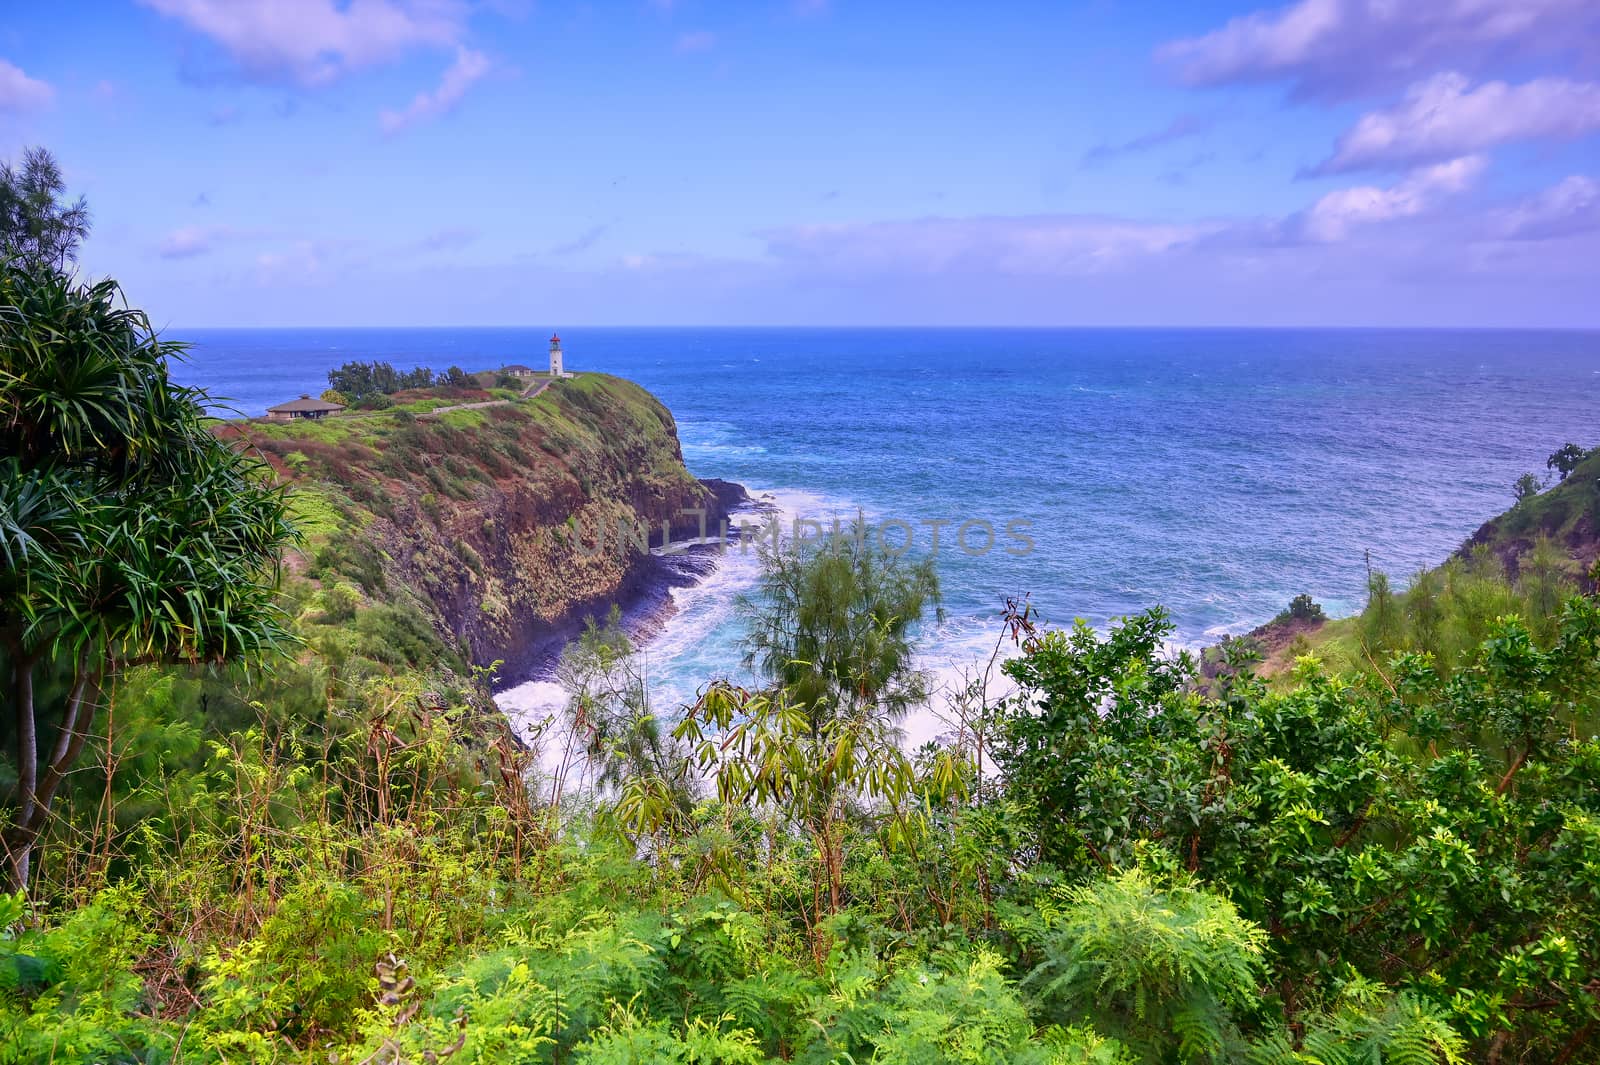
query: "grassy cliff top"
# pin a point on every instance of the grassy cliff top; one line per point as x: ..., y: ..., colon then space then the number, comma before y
x: 585, y: 396
x: 350, y: 468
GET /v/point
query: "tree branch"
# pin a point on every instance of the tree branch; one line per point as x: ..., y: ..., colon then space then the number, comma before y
x: 74, y: 733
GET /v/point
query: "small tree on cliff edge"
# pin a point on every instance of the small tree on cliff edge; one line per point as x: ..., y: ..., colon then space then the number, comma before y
x: 129, y: 533
x: 1526, y: 487
x: 1565, y: 459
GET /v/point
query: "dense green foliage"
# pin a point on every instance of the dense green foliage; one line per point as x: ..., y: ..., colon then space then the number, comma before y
x: 1393, y: 867
x: 1526, y: 562
x: 338, y: 852
x: 1565, y: 459
x: 1447, y: 612
x: 1526, y: 486
x: 833, y: 626
x: 1303, y: 608
x: 366, y: 384
x: 1438, y: 835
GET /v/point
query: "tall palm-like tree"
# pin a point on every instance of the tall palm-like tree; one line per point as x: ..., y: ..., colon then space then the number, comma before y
x: 130, y: 534
x: 833, y: 628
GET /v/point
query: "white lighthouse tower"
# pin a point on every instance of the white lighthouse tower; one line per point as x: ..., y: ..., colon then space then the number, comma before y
x: 555, y: 357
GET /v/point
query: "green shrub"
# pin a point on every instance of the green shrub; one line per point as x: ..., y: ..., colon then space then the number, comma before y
x: 1166, y: 967
x: 69, y: 992
x: 399, y: 636
x: 1303, y: 608
x: 302, y: 976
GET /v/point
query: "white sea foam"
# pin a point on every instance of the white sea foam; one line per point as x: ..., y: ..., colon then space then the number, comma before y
x: 699, y: 640
x: 527, y: 707
x: 694, y: 644
x: 962, y: 659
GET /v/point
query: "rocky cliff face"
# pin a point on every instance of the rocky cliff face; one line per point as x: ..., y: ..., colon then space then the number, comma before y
x: 502, y: 522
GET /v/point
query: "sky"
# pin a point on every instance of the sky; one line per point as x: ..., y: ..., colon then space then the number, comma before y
x: 824, y: 162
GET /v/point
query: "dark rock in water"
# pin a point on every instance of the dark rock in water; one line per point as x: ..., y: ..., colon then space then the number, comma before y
x: 729, y: 496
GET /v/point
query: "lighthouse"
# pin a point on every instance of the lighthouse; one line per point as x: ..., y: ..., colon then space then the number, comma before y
x: 555, y: 357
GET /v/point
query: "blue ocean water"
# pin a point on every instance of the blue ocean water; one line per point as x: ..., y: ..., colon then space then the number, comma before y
x: 1217, y: 472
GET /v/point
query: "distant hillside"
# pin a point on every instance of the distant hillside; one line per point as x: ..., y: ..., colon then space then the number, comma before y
x: 1567, y: 513
x: 1542, y: 548
x: 469, y: 514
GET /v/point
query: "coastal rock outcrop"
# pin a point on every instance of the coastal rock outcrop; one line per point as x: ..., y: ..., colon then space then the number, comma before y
x: 509, y: 524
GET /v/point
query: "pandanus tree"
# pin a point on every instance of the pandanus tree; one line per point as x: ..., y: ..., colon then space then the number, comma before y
x: 129, y: 534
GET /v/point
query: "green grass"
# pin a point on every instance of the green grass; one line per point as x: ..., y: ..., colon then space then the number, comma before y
x: 463, y: 419
x: 357, y: 474
x: 316, y: 516
x: 322, y: 430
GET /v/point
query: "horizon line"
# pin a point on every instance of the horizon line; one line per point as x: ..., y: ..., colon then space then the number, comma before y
x: 959, y: 327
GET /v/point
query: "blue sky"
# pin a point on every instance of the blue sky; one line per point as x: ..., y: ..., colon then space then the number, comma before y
x: 444, y: 162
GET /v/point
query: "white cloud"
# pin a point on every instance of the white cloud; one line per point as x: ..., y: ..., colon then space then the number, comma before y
x: 1337, y: 47
x: 314, y: 42
x: 190, y: 241
x: 468, y: 67
x: 1566, y: 209
x: 1442, y: 118
x: 1258, y: 44
x: 19, y: 93
x: 1049, y: 244
x: 302, y: 259
x: 296, y: 260
x: 1332, y: 217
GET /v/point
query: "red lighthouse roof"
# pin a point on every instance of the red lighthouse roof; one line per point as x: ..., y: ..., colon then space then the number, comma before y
x: 554, y: 339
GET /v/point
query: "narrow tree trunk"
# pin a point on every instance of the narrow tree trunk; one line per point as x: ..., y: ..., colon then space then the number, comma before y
x: 36, y: 791
x: 1505, y: 781
x: 18, y: 845
x: 835, y: 860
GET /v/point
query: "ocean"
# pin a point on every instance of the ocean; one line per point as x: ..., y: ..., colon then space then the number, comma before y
x: 1218, y: 472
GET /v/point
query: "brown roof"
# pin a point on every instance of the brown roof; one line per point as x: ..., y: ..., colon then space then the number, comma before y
x: 304, y: 404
